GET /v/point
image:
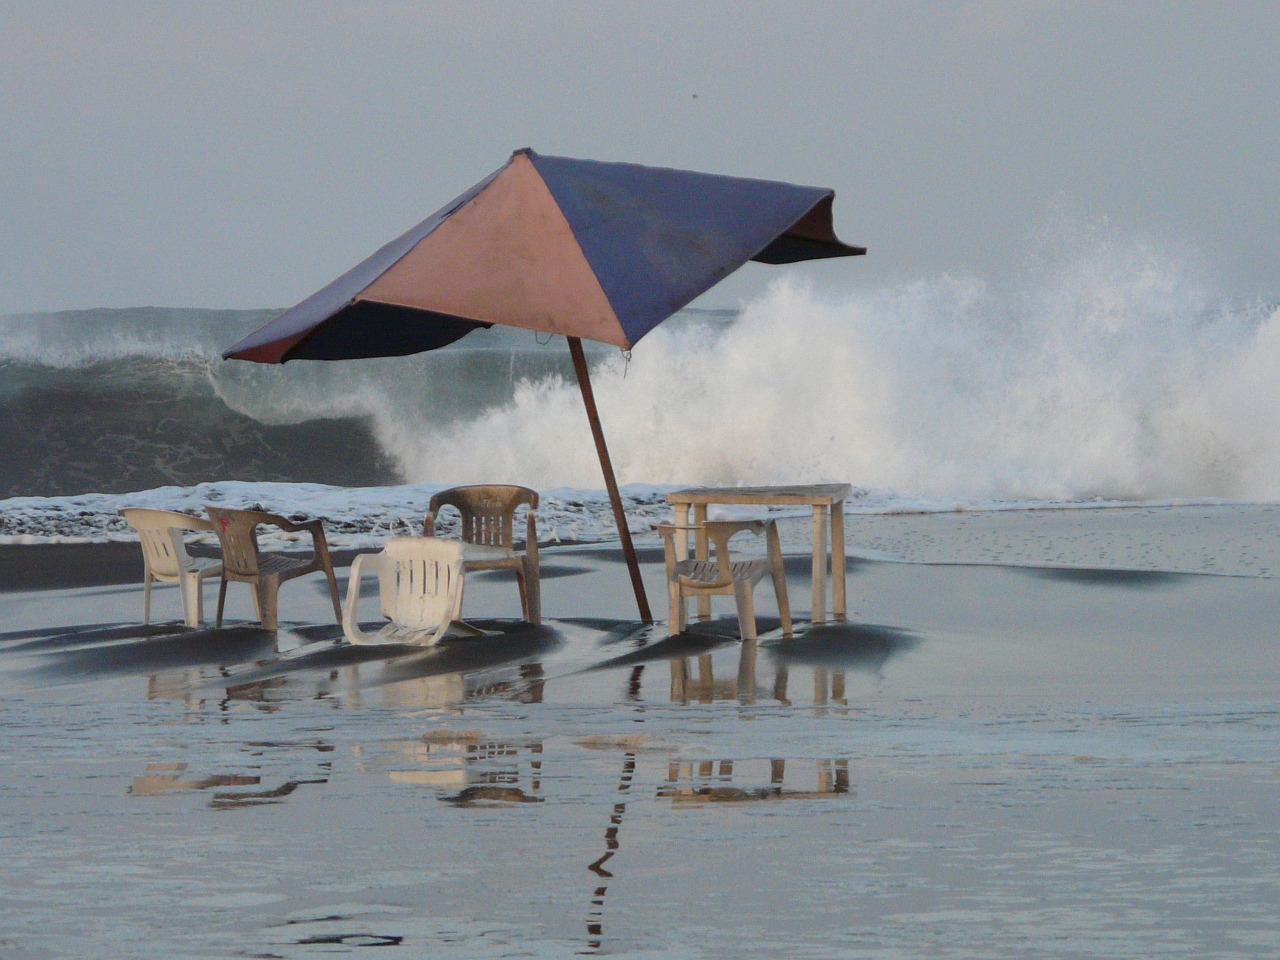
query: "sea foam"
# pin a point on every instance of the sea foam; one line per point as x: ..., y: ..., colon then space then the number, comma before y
x: 1111, y: 377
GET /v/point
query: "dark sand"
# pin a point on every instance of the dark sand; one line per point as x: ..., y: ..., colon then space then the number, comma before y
x: 1029, y: 758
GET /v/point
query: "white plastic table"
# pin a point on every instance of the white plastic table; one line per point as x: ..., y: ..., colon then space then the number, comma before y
x: 827, y: 501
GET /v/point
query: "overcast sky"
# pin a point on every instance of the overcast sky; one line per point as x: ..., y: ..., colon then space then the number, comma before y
x: 243, y: 154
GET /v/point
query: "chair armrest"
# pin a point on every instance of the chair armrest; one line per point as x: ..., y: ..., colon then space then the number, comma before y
x: 350, y: 620
x: 313, y: 527
x: 720, y: 532
x: 716, y: 528
x: 669, y: 532
x: 291, y: 526
x: 319, y: 543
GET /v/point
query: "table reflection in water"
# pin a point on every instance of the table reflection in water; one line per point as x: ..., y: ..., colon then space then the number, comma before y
x: 730, y: 781
x: 694, y: 680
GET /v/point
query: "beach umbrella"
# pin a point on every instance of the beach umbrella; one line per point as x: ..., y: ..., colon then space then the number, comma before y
x: 583, y: 248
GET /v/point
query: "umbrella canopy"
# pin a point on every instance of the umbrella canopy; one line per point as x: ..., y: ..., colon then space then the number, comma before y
x: 603, y: 251
x: 583, y: 248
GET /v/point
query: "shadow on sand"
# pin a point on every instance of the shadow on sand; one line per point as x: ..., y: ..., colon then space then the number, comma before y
x: 1101, y: 577
x: 845, y: 646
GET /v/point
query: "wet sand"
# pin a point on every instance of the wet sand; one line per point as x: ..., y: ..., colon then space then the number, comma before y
x: 1047, y: 735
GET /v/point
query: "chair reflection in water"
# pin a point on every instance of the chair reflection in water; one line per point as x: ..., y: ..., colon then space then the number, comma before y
x: 700, y: 684
x: 475, y: 768
x: 720, y: 574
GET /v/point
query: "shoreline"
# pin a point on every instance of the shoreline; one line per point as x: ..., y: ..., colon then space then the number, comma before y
x: 1201, y: 539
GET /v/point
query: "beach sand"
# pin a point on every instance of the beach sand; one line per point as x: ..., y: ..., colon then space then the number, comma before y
x: 1040, y: 734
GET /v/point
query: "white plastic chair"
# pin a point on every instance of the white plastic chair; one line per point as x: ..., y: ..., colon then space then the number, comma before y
x: 722, y: 574
x: 165, y: 558
x: 420, y: 583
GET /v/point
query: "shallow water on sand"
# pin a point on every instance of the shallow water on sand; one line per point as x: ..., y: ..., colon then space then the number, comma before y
x: 986, y: 761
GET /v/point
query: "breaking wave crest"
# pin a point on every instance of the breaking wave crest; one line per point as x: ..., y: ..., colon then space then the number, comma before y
x: 1112, y: 375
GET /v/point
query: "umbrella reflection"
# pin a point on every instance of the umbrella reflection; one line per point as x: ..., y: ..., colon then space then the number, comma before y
x: 595, y: 915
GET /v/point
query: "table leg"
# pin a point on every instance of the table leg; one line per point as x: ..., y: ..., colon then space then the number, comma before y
x: 679, y: 679
x: 819, y: 564
x: 701, y: 553
x: 682, y: 536
x: 706, y: 679
x: 838, y: 562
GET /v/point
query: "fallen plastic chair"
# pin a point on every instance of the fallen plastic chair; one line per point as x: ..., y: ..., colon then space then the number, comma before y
x: 488, y: 515
x: 243, y: 562
x: 165, y: 558
x: 721, y: 574
x: 420, y: 582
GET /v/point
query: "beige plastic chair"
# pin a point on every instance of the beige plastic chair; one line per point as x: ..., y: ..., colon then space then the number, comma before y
x: 420, y: 583
x: 243, y: 562
x: 164, y: 558
x: 721, y: 574
x: 488, y: 515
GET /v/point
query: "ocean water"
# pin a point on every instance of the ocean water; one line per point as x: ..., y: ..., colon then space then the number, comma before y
x: 986, y: 761
x: 1115, y: 376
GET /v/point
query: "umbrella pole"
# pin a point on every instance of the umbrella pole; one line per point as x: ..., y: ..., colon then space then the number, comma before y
x: 615, y: 499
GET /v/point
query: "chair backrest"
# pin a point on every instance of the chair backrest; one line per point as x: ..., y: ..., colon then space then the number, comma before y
x: 160, y: 532
x: 487, y: 511
x: 237, y: 532
x: 419, y: 584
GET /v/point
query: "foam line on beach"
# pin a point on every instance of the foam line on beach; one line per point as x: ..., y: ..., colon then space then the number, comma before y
x: 357, y: 517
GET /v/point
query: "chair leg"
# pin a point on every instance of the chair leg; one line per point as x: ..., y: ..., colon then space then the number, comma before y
x: 192, y: 607
x: 222, y: 598
x: 746, y: 609
x: 779, y: 577
x: 146, y: 599
x: 534, y: 586
x: 267, y: 592
x: 676, y: 609
x: 747, y: 672
x: 524, y: 595
x: 333, y: 592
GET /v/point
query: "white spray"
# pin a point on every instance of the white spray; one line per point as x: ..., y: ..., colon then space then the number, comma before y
x: 1113, y: 378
